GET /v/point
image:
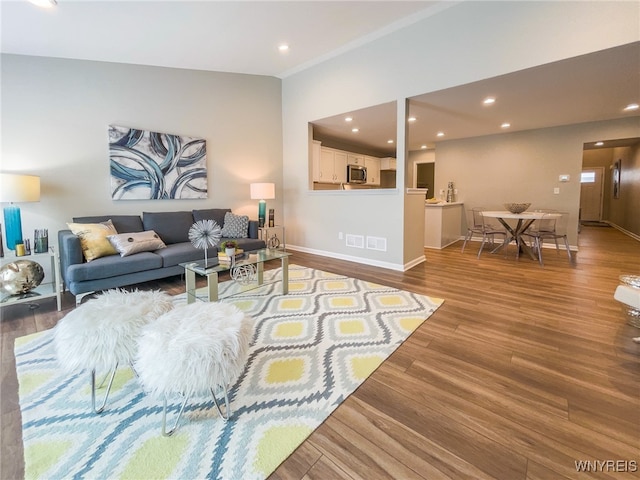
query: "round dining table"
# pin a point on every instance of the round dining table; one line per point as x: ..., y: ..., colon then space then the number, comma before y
x: 524, y: 221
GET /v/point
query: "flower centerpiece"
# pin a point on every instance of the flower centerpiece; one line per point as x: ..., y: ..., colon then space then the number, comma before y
x: 204, y: 234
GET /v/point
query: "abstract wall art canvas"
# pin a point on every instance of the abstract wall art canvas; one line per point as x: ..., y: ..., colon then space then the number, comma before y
x: 156, y: 166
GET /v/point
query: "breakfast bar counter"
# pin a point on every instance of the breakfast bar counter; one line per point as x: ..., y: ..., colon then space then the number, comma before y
x: 442, y: 224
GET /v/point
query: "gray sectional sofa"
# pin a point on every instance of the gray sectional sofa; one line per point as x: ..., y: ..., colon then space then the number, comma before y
x: 81, y: 277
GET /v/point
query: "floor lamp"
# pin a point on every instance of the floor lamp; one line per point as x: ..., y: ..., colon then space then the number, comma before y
x: 262, y: 192
x: 15, y: 188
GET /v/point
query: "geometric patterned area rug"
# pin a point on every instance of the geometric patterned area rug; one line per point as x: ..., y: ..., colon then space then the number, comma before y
x: 311, y: 349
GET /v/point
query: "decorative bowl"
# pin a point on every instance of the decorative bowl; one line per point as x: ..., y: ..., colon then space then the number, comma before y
x: 517, y: 207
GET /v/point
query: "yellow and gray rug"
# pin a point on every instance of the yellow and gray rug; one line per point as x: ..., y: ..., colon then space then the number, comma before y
x: 311, y: 349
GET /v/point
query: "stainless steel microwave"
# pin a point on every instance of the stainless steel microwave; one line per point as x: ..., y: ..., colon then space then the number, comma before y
x: 356, y: 174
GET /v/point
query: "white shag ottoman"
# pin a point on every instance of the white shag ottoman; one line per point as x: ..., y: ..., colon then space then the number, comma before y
x: 102, y: 333
x: 194, y: 349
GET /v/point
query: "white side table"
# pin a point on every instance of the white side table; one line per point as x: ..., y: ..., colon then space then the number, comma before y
x: 50, y: 287
x: 270, y: 236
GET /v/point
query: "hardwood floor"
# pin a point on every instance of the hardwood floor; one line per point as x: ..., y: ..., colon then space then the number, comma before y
x: 522, y: 372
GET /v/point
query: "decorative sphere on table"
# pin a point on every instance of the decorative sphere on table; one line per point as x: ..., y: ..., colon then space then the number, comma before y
x: 20, y: 276
x: 517, y: 207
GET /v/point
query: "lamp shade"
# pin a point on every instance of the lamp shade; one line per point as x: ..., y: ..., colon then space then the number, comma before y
x: 19, y: 188
x: 263, y: 191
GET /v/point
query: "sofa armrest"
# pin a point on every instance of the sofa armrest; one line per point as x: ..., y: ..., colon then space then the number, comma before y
x: 70, y: 251
x: 253, y: 228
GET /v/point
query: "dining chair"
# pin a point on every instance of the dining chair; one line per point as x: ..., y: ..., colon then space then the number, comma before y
x: 477, y: 225
x: 541, y: 225
x: 551, y: 226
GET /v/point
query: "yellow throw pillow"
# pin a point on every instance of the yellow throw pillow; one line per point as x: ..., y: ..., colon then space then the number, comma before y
x: 93, y: 238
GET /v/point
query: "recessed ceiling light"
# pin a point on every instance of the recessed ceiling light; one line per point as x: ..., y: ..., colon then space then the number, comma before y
x: 283, y: 48
x: 599, y: 144
x: 489, y: 101
x: 355, y: 130
x: 505, y: 125
x: 348, y: 119
x: 440, y: 134
x: 390, y: 141
x: 44, y: 3
x: 411, y: 119
x: 631, y: 107
x: 423, y: 147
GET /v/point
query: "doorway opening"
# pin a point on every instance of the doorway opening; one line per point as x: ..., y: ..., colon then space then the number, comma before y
x: 591, y: 194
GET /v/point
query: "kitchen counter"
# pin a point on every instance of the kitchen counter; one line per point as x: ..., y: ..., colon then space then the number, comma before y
x: 442, y: 224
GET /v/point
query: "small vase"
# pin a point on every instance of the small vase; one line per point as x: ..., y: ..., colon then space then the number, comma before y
x: 230, y: 252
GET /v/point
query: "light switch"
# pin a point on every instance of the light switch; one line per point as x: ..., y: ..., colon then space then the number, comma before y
x: 556, y: 190
x: 564, y: 178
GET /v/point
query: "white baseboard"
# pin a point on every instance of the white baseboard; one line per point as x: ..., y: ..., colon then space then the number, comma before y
x: 351, y: 258
x: 626, y: 232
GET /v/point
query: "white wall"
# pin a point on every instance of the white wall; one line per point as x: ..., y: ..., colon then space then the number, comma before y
x: 467, y: 42
x: 55, y: 115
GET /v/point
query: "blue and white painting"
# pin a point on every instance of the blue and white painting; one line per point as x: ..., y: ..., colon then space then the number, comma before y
x: 156, y: 166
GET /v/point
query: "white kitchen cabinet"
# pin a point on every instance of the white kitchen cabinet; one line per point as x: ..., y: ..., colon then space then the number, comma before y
x: 333, y: 166
x: 316, y: 148
x: 388, y: 163
x: 373, y: 170
x: 340, y: 167
x: 355, y: 159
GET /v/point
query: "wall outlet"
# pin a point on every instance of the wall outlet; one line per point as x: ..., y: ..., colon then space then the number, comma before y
x: 556, y: 190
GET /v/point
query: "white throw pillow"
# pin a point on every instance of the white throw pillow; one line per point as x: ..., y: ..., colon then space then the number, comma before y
x: 130, y: 243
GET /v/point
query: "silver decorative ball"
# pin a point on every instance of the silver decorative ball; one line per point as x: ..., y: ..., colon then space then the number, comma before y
x: 244, y: 274
x: 20, y: 276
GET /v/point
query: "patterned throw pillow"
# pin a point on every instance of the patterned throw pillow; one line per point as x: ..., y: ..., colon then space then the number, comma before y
x: 235, y: 226
x: 93, y: 238
x: 130, y: 243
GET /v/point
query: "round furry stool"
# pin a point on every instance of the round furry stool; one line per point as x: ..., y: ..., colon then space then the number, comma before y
x: 194, y: 349
x: 102, y: 333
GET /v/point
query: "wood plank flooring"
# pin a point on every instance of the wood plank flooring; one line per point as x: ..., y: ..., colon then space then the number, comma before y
x: 522, y: 372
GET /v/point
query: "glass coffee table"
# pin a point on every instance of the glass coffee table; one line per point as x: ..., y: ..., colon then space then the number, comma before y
x: 256, y: 258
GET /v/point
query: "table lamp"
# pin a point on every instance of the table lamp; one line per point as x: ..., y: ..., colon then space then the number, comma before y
x: 16, y: 188
x: 262, y: 192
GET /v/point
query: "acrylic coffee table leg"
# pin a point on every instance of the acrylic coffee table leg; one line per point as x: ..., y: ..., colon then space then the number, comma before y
x: 260, y: 273
x: 212, y: 286
x: 190, y: 285
x: 285, y: 275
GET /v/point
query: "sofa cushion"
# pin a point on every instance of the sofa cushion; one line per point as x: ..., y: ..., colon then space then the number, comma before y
x: 129, y: 243
x: 248, y: 244
x: 122, y: 223
x: 93, y: 238
x: 235, y: 226
x: 112, y: 266
x: 215, y: 214
x: 177, y: 253
x: 172, y: 227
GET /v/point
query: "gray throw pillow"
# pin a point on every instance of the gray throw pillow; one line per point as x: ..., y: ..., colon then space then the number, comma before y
x: 235, y: 226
